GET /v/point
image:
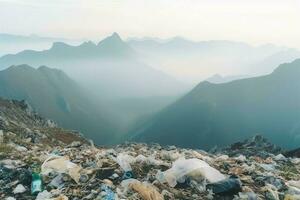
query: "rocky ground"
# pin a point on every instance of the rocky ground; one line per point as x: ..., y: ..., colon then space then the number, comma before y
x: 73, y: 168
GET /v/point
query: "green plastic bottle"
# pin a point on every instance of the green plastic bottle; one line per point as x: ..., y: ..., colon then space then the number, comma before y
x: 36, y: 182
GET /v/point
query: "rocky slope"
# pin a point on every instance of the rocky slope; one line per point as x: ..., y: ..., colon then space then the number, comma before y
x: 21, y: 127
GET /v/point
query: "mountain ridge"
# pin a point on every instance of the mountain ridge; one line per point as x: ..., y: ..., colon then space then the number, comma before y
x: 55, y: 96
x: 220, y: 114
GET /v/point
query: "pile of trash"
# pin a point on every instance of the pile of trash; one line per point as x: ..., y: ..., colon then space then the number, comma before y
x: 148, y: 172
x: 37, y: 164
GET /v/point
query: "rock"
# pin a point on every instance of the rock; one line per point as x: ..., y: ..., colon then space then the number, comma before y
x: 45, y: 195
x: 10, y: 198
x: 19, y: 189
x: 20, y: 148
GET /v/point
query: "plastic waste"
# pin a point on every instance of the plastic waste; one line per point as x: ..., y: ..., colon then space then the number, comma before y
x: 109, y: 194
x: 146, y: 191
x: 127, y: 175
x: 280, y: 157
x: 229, y: 186
x: 267, y: 167
x: 36, y: 183
x: 57, y: 182
x: 246, y: 196
x: 60, y: 197
x: 10, y: 164
x: 124, y: 160
x: 193, y: 168
x: 241, y: 158
x: 148, y: 160
x: 61, y: 165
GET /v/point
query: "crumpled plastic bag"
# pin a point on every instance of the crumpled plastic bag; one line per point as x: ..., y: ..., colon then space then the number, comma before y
x: 146, y: 191
x: 124, y: 160
x: 61, y: 165
x: 193, y: 168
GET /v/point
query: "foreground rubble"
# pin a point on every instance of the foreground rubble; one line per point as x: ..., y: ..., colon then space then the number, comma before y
x: 134, y: 171
x: 41, y: 161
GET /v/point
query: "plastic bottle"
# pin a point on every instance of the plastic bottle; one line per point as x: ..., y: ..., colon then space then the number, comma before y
x: 36, y: 182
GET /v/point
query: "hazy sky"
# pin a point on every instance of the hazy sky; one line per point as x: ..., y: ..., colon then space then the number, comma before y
x: 253, y: 21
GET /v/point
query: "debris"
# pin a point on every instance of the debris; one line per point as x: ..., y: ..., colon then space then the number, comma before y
x: 36, y: 184
x: 193, y: 168
x: 146, y: 191
x: 45, y: 195
x: 229, y: 186
x: 108, y: 193
x: 133, y: 170
x: 124, y: 160
x: 280, y: 157
x: 61, y: 165
x: 19, y: 189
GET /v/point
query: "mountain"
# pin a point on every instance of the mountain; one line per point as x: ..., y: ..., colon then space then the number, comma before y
x: 111, y: 68
x: 220, y: 114
x: 217, y: 78
x: 10, y: 43
x: 55, y: 96
x: 198, y: 60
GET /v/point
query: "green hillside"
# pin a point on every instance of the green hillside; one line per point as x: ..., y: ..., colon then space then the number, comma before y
x: 219, y: 114
x: 53, y: 94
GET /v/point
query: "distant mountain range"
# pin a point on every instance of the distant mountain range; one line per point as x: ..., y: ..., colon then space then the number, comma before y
x: 10, y: 43
x: 220, y: 114
x: 54, y: 95
x: 194, y: 61
x: 110, y: 68
x: 120, y: 84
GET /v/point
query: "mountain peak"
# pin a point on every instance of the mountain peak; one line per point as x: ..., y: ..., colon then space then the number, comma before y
x: 115, y: 34
x: 113, y: 39
x: 59, y: 45
x: 88, y: 44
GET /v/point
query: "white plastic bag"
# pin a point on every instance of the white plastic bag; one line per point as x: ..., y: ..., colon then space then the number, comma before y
x: 124, y: 160
x: 193, y: 168
x: 61, y: 165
